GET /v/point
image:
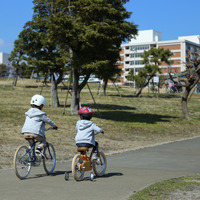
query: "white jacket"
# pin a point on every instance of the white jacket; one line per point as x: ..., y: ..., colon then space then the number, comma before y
x: 85, y: 131
x: 35, y: 122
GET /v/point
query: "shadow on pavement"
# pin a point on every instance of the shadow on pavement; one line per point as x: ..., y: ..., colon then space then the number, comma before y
x: 108, y: 175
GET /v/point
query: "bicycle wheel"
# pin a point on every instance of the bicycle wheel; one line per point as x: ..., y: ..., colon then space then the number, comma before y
x: 49, y: 159
x: 100, y: 165
x: 78, y: 175
x: 21, y: 161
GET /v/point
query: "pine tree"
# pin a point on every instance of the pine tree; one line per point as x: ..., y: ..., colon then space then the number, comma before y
x: 93, y: 31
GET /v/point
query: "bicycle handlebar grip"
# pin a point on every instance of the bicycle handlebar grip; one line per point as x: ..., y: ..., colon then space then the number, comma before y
x: 55, y: 128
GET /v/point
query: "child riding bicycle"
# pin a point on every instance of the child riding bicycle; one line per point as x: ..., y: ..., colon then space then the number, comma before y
x: 85, y: 130
x: 35, y: 122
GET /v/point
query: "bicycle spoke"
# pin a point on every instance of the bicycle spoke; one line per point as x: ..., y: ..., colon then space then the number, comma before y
x: 100, y: 165
x: 22, y: 164
x: 49, y: 160
x: 78, y: 175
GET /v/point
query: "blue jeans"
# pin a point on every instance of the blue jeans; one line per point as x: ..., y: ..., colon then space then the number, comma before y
x: 95, y: 148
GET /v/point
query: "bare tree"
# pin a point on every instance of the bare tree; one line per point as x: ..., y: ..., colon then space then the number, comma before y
x: 189, y: 79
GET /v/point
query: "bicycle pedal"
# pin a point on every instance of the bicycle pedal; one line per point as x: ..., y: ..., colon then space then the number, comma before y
x: 40, y: 155
x: 96, y: 159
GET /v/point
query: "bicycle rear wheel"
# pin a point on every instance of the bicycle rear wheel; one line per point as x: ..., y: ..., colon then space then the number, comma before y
x: 22, y: 162
x: 49, y: 159
x: 100, y: 165
x: 78, y: 175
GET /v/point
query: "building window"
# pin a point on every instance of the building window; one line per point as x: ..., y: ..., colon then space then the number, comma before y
x: 136, y: 55
x: 192, y: 57
x: 138, y: 69
x: 136, y: 62
x: 188, y: 47
x: 139, y: 47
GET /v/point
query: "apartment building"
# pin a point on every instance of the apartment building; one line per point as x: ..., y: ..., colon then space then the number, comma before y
x: 131, y: 52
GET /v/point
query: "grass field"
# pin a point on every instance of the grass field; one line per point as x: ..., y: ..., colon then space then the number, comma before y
x: 128, y: 122
x: 182, y: 188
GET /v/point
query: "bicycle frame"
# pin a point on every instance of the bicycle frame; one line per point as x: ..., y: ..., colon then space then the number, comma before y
x: 87, y: 161
x: 31, y: 152
x: 32, y: 141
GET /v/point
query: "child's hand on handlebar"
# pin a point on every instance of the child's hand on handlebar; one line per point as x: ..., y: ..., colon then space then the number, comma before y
x: 55, y: 128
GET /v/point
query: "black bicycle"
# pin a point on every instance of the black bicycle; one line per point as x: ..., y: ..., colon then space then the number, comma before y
x: 25, y: 157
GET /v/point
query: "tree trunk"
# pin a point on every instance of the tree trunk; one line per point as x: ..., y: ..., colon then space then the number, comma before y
x: 16, y: 78
x: 75, y: 104
x: 140, y: 90
x: 105, y: 83
x: 54, y: 93
x: 184, y: 103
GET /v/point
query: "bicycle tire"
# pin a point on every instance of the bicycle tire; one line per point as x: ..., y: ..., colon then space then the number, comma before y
x: 21, y: 162
x: 77, y: 174
x: 49, y: 159
x: 100, y: 165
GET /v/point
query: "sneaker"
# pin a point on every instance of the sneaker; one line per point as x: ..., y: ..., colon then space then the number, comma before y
x: 38, y: 151
x: 95, y: 156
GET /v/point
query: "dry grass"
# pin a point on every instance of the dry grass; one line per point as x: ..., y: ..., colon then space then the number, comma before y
x: 128, y: 122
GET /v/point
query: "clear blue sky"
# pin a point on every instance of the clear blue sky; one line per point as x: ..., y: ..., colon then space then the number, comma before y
x: 171, y: 17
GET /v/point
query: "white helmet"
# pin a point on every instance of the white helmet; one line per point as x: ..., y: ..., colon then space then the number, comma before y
x: 38, y: 100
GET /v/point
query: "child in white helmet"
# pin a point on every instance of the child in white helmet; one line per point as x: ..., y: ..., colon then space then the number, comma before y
x: 35, y: 122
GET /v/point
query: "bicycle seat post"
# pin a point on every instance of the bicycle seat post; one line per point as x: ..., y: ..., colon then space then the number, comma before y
x: 30, y: 140
x: 91, y: 154
x: 32, y: 143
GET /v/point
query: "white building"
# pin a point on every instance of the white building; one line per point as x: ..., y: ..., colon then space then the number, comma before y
x: 132, y: 51
x: 4, y: 60
x: 147, y: 36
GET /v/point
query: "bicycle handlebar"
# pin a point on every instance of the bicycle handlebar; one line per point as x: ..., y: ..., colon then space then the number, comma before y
x: 49, y: 128
x: 100, y: 132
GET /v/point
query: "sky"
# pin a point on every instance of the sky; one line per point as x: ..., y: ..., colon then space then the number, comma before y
x: 171, y: 17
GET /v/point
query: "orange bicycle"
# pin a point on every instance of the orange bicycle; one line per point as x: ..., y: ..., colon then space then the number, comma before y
x: 82, y: 163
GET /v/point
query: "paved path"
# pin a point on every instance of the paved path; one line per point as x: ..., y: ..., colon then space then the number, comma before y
x: 127, y: 172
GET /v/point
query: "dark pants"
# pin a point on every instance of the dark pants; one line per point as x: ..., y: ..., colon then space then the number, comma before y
x: 95, y: 148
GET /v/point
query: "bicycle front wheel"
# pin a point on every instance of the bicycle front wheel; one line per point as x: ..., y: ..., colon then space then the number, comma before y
x: 100, y: 165
x: 78, y: 175
x: 22, y: 162
x: 49, y: 159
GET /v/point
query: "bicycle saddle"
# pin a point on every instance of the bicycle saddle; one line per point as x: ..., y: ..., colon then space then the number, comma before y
x: 81, y: 149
